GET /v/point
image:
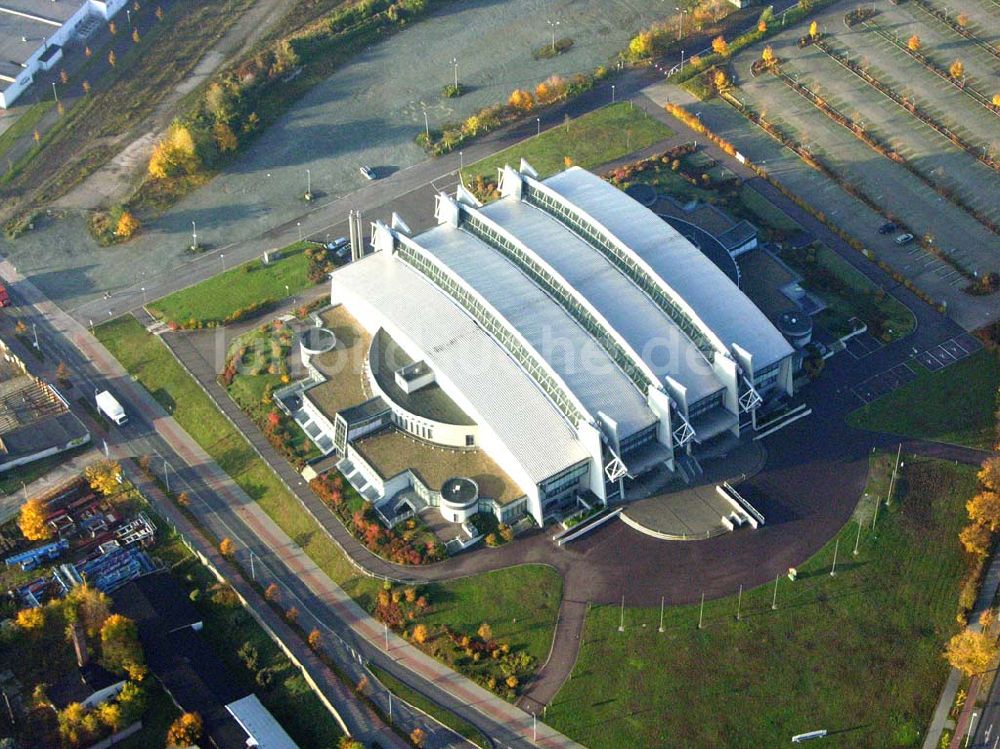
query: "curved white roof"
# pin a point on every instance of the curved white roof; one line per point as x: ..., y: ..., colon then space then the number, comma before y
x: 579, y: 360
x: 496, y: 391
x: 713, y: 297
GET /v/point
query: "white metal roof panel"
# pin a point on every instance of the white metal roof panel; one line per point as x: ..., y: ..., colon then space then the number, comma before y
x: 259, y: 724
x: 647, y: 329
x: 503, y: 396
x: 586, y: 368
x: 717, y: 301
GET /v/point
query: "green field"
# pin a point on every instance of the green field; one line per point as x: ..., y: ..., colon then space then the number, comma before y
x: 766, y: 211
x: 593, y: 139
x: 858, y: 654
x: 529, y: 594
x: 25, y: 123
x: 955, y: 404
x: 417, y: 700
x: 219, y: 297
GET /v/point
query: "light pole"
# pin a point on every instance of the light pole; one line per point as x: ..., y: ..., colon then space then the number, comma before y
x: 739, y: 602
x: 309, y: 184
x: 427, y: 127
x: 774, y: 599
x: 34, y: 332
x: 454, y: 62
x: 701, y: 611
x: 55, y: 92
x: 552, y: 28
x: 682, y: 59
x: 972, y: 722
x: 298, y: 225
x: 461, y: 162
x: 194, y: 236
x: 836, y: 548
x: 222, y: 257
x: 143, y: 290
x: 128, y: 15
x: 538, y: 124
x: 661, y: 613
x: 680, y: 26
x: 857, y: 541
x: 621, y: 623
x: 612, y: 93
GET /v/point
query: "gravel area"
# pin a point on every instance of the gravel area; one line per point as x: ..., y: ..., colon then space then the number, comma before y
x: 367, y: 113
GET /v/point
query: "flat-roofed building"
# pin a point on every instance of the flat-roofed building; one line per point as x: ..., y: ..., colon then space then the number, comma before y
x: 33, y: 34
x: 581, y: 339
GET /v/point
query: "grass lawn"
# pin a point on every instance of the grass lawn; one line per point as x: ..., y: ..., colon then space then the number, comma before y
x: 766, y: 211
x: 848, y: 293
x: 591, y: 140
x: 955, y: 404
x: 528, y: 594
x: 858, y: 654
x: 417, y: 700
x: 519, y: 603
x: 25, y: 124
x: 216, y: 298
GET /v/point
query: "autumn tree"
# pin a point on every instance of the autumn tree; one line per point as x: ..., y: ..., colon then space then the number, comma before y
x: 813, y: 30
x: 184, y: 499
x: 989, y: 474
x: 135, y: 36
x: 984, y: 508
x: 120, y: 646
x: 962, y: 20
x: 91, y: 607
x: 292, y: 615
x: 226, y: 547
x: 971, y: 652
x: 185, y: 731
x: 272, y: 592
x: 485, y: 631
x: 113, y: 28
x: 103, y: 476
x: 127, y: 225
x: 315, y: 639
x: 975, y: 539
x: 86, y: 87
x: 71, y: 727
x: 719, y: 80
x: 762, y: 26
x: 37, y: 136
x: 175, y: 154
x: 996, y: 100
x: 768, y: 55
x: 62, y: 372
x: 641, y: 46
x: 346, y: 742
x: 112, y: 58
x: 719, y: 45
x: 521, y: 99
x: 913, y: 43
x: 420, y: 634
x: 110, y: 715
x: 224, y: 136
x: 417, y: 737
x: 159, y: 13
x: 31, y: 521
x: 63, y: 77
x: 957, y: 70
x: 30, y: 620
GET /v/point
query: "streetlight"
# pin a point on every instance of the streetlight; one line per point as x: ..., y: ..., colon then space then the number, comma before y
x: 55, y: 93
x: 128, y: 14
x: 143, y: 289
x: 34, y: 332
x: 680, y: 27
x: 222, y: 257
x: 612, y: 93
x: 194, y: 237
x: 427, y: 127
x: 298, y: 225
x: 682, y: 59
x: 454, y: 61
x: 538, y: 122
x: 552, y: 27
x: 309, y: 185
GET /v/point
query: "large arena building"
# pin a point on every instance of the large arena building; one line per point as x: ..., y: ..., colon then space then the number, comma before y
x: 564, y: 330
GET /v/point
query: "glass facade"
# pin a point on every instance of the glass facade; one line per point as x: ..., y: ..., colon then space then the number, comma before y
x: 562, y: 484
x: 496, y: 327
x: 706, y: 404
x: 558, y: 290
x: 638, y: 439
x: 596, y: 238
x: 767, y: 377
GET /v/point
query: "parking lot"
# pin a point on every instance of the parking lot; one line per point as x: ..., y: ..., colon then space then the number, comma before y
x: 933, y: 359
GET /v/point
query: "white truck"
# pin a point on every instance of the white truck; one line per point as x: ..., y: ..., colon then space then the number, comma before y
x: 108, y: 405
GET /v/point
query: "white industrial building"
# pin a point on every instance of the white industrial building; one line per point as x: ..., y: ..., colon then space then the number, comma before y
x: 586, y: 340
x: 33, y: 34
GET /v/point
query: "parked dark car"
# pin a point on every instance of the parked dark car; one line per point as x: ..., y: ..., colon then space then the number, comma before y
x: 887, y: 228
